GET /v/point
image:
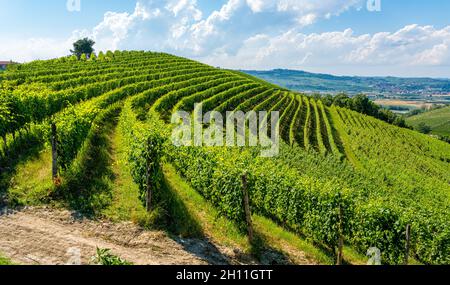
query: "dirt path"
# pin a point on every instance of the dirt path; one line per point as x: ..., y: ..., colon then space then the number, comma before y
x: 49, y: 236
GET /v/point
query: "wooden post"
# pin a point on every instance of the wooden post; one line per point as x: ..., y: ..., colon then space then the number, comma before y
x: 248, y: 215
x: 5, y: 147
x: 149, y: 187
x: 340, y: 253
x: 408, y: 238
x: 54, y: 153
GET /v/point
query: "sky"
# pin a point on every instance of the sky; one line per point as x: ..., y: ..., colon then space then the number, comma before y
x: 409, y: 38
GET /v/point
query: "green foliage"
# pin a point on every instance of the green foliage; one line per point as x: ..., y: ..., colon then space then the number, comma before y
x: 105, y: 257
x: 83, y: 46
x: 85, y: 186
x: 424, y: 128
x: 362, y: 104
x: 413, y: 171
x: 5, y: 261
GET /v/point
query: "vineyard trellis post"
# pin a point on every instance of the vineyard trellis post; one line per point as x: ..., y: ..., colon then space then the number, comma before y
x: 340, y: 251
x: 54, y: 152
x: 148, y: 178
x: 5, y: 146
x: 248, y: 215
x: 148, y: 200
x: 407, y: 244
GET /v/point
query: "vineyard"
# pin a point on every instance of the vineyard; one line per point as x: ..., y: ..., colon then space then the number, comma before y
x: 340, y: 176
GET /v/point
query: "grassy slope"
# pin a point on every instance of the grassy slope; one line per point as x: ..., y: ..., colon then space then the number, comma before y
x: 438, y: 120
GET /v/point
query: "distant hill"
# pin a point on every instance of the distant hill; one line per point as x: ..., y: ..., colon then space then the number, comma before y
x: 438, y: 120
x: 325, y: 83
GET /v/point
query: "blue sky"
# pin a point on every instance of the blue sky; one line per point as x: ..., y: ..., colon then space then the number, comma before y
x: 405, y: 38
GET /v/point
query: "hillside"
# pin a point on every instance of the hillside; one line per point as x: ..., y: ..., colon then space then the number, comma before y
x: 438, y: 120
x: 302, y: 81
x: 338, y: 174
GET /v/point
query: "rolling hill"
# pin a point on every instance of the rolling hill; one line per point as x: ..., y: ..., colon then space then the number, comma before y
x: 302, y: 81
x: 339, y: 174
x: 438, y: 120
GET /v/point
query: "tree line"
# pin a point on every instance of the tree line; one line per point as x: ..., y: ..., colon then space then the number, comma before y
x: 362, y: 104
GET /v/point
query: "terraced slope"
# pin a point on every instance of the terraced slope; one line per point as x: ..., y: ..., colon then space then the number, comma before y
x: 339, y: 173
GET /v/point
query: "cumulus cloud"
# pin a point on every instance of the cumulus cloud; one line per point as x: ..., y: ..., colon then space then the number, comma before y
x: 190, y: 6
x: 179, y: 26
x: 409, y: 47
x: 229, y: 37
x: 115, y: 27
x: 108, y: 34
x: 306, y: 12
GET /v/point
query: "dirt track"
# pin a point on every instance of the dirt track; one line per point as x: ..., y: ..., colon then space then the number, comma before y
x: 49, y: 236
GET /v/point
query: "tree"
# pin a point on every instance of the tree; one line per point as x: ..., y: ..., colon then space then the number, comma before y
x: 424, y: 128
x: 342, y: 100
x: 85, y: 46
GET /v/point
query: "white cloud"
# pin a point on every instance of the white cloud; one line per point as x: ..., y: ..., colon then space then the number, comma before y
x: 179, y: 26
x: 306, y: 12
x: 227, y: 37
x: 23, y: 50
x: 177, y: 6
x: 115, y: 27
x: 207, y: 27
x: 257, y: 5
x: 408, y: 48
x: 307, y: 20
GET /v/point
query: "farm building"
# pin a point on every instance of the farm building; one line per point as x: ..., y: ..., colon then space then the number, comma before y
x: 4, y: 64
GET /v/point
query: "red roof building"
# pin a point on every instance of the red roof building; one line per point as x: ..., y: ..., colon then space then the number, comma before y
x: 3, y: 64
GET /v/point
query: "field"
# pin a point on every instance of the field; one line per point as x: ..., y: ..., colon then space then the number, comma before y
x: 340, y: 176
x: 408, y: 105
x: 438, y: 120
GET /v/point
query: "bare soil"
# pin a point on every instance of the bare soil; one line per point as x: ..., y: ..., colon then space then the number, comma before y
x: 50, y: 236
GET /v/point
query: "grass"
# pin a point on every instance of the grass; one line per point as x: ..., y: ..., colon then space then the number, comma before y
x: 289, y: 242
x: 438, y: 120
x: 31, y: 183
x: 105, y: 257
x: 5, y: 261
x: 125, y: 204
x: 23, y: 149
x: 209, y: 222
